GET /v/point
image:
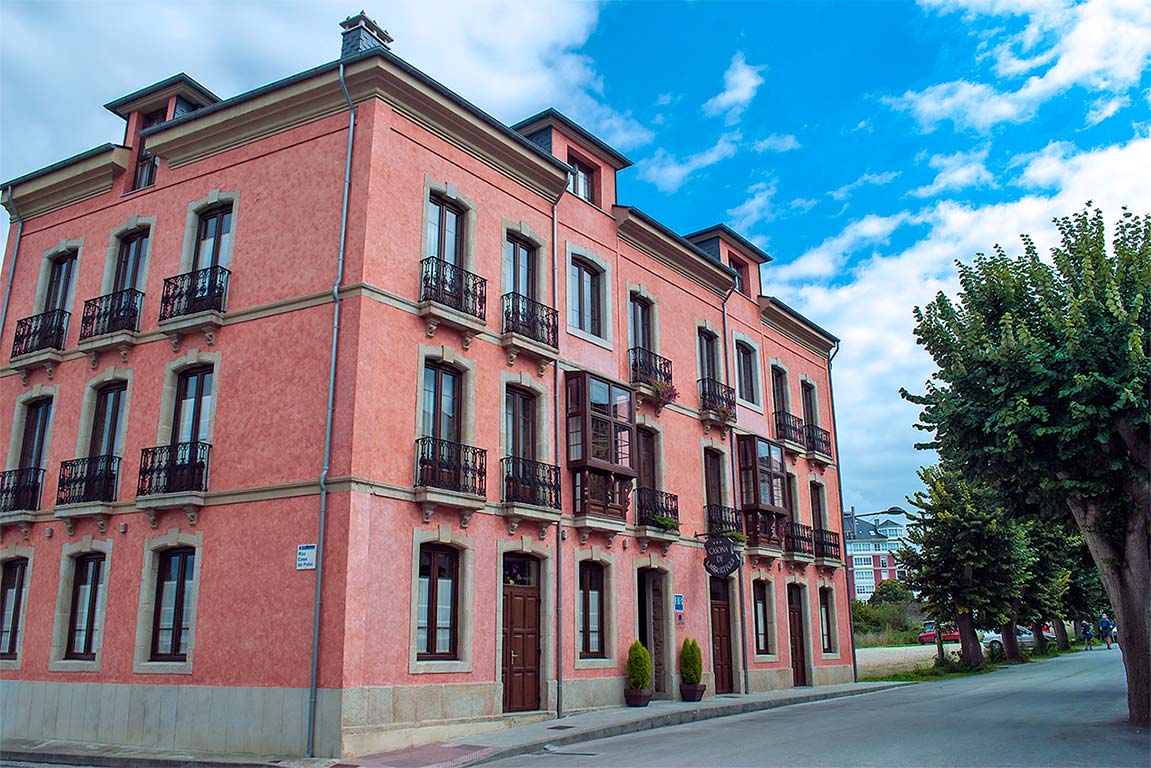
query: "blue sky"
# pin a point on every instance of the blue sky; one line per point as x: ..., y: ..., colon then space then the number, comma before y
x: 866, y: 145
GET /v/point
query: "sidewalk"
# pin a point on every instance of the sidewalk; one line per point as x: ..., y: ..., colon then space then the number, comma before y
x: 471, y: 750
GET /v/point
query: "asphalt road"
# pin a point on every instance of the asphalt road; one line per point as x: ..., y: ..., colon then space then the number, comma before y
x: 1067, y: 711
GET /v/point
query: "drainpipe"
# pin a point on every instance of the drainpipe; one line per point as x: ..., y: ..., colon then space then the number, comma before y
x: 312, y: 685
x: 556, y: 451
x: 839, y: 487
x: 15, y: 251
x: 734, y: 491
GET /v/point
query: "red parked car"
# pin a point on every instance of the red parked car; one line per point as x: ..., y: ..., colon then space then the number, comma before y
x: 950, y: 634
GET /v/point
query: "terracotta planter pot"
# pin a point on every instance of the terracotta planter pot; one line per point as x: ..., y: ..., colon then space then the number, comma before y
x: 637, y: 698
x: 690, y: 692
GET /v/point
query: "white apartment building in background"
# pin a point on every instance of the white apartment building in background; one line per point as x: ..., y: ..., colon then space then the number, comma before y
x: 871, y: 549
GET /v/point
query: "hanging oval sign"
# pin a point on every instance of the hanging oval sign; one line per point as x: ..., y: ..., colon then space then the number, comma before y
x: 722, y: 559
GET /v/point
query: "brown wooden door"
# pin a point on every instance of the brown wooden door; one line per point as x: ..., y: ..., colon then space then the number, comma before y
x: 721, y: 637
x: 658, y: 632
x: 795, y: 635
x: 521, y: 636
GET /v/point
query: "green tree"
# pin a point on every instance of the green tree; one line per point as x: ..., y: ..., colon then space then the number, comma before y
x: 891, y: 591
x: 1042, y: 387
x: 964, y: 558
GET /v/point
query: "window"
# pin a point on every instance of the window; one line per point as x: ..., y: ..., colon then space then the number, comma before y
x: 641, y: 322
x: 712, y: 477
x: 745, y: 367
x: 36, y: 418
x: 213, y: 238
x: 146, y: 162
x: 763, y: 482
x: 740, y: 269
x: 809, y: 413
x: 707, y: 355
x: 86, y: 618
x: 441, y: 418
x: 172, y: 617
x: 436, y: 611
x: 601, y: 423
x: 519, y: 423
x: 105, y: 439
x: 778, y: 389
x: 581, y: 183
x: 445, y: 236
x: 519, y: 267
x: 764, y: 621
x: 132, y: 249
x: 825, y: 619
x: 11, y: 604
x: 60, y: 282
x: 589, y: 611
x: 817, y: 520
x: 584, y: 304
x: 193, y: 404
x: 883, y: 562
x: 646, y: 469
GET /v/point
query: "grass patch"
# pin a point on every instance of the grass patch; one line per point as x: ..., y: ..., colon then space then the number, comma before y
x: 946, y: 669
x: 886, y: 637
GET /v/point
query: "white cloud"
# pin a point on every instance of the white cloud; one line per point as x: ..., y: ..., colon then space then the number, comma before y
x: 827, y: 259
x: 1103, y: 46
x: 803, y: 204
x: 669, y: 173
x: 867, y: 179
x: 957, y: 171
x: 755, y: 209
x: 777, y: 143
x: 740, y: 82
x: 1105, y: 107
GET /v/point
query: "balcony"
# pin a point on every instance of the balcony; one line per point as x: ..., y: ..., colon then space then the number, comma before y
x: 110, y: 322
x: 451, y: 475
x: 657, y: 517
x: 721, y: 519
x: 789, y: 431
x: 39, y: 342
x: 651, y: 375
x: 765, y: 534
x: 194, y: 302
x: 818, y: 442
x: 173, y: 477
x: 531, y: 491
x: 716, y: 404
x: 20, y: 494
x: 827, y: 549
x: 87, y: 488
x: 453, y: 297
x: 798, y: 543
x: 529, y: 328
x: 601, y: 501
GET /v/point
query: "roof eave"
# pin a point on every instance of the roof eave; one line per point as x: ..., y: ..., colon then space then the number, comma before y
x: 551, y: 116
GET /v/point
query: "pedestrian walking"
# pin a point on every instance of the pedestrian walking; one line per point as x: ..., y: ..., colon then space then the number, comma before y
x: 1105, y: 630
x: 1087, y: 632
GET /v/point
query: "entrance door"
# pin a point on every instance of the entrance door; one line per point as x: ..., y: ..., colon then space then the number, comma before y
x: 521, y: 635
x: 653, y: 626
x: 796, y: 635
x: 721, y: 637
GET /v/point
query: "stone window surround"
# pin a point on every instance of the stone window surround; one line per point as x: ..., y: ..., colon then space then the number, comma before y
x: 793, y: 492
x: 465, y: 596
x: 834, y: 621
x: 192, y: 228
x: 61, y: 248
x: 20, y: 416
x: 131, y: 226
x: 757, y: 404
x: 13, y: 552
x: 777, y: 363
x: 805, y: 379
x: 467, y: 369
x: 610, y: 625
x: 772, y: 624
x: 523, y: 231
x: 524, y: 380
x: 154, y: 546
x: 652, y: 424
x: 88, y: 412
x: 721, y: 448
x: 652, y: 562
x: 451, y: 193
x: 808, y: 635
x: 172, y: 371
x: 816, y: 480
x: 574, y: 251
x: 61, y: 621
x: 545, y: 555
x: 643, y: 292
x: 721, y: 364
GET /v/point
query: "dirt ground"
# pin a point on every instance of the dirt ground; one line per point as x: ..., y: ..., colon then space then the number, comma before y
x: 882, y: 661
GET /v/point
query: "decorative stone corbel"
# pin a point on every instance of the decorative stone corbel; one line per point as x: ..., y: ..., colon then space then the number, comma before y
x: 25, y: 529
x: 643, y: 542
x: 175, y: 339
x: 153, y: 518
x: 513, y: 523
x: 70, y: 526
x: 124, y: 352
x: 584, y: 533
x: 210, y: 336
x: 101, y: 523
x: 544, y: 525
x: 50, y: 368
x: 24, y: 376
x: 426, y: 511
x: 466, y: 517
x: 191, y: 512
x: 513, y: 353
x: 431, y: 324
x: 468, y: 336
x: 666, y: 548
x: 94, y: 359
x: 608, y: 539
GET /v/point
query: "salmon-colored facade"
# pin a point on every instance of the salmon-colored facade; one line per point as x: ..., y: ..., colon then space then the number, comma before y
x: 495, y: 533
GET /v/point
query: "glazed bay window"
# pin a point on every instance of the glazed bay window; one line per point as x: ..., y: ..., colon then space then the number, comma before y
x: 436, y: 611
x: 600, y: 424
x: 86, y: 619
x: 589, y: 611
x: 172, y: 616
x: 11, y: 605
x: 762, y: 475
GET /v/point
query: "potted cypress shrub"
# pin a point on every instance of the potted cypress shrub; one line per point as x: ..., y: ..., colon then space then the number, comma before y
x: 691, y: 671
x: 638, y: 693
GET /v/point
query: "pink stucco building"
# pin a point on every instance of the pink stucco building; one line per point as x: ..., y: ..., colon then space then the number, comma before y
x: 348, y: 309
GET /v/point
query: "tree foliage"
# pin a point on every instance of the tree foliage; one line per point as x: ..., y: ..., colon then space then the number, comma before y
x: 891, y: 591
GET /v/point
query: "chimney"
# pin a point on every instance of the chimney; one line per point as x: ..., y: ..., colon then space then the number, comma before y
x: 362, y: 34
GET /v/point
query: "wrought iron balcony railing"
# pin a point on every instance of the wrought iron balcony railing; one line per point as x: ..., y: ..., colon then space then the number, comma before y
x: 87, y: 480
x: 44, y: 331
x: 447, y: 284
x: 528, y: 317
x: 789, y: 427
x: 721, y: 519
x: 657, y: 509
x: 451, y: 466
x: 827, y: 544
x: 764, y: 529
x: 20, y: 489
x: 818, y: 440
x: 647, y: 367
x: 119, y: 311
x: 530, y: 482
x: 716, y: 396
x: 192, y: 292
x: 176, y: 468
x: 798, y: 539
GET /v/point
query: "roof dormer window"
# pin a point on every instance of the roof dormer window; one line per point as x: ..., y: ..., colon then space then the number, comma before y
x: 146, y: 162
x: 581, y: 182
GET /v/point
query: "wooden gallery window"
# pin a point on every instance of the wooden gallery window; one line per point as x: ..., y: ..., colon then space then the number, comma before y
x: 437, y: 609
x: 87, y: 619
x: 762, y: 475
x: 585, y: 302
x: 825, y: 619
x: 600, y: 435
x: 11, y: 602
x: 763, y: 618
x: 589, y: 611
x: 745, y: 366
x: 172, y: 616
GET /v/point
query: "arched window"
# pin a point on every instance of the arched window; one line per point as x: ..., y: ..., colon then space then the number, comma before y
x: 585, y: 305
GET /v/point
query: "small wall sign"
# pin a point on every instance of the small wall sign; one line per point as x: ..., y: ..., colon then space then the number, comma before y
x: 306, y: 557
x: 678, y: 603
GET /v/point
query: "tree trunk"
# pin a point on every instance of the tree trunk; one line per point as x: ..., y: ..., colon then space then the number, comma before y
x: 1010, y: 640
x: 1040, y: 638
x: 939, y: 655
x: 969, y: 652
x: 1060, y: 627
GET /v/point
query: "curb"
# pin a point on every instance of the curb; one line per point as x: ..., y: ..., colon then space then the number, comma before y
x: 114, y: 759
